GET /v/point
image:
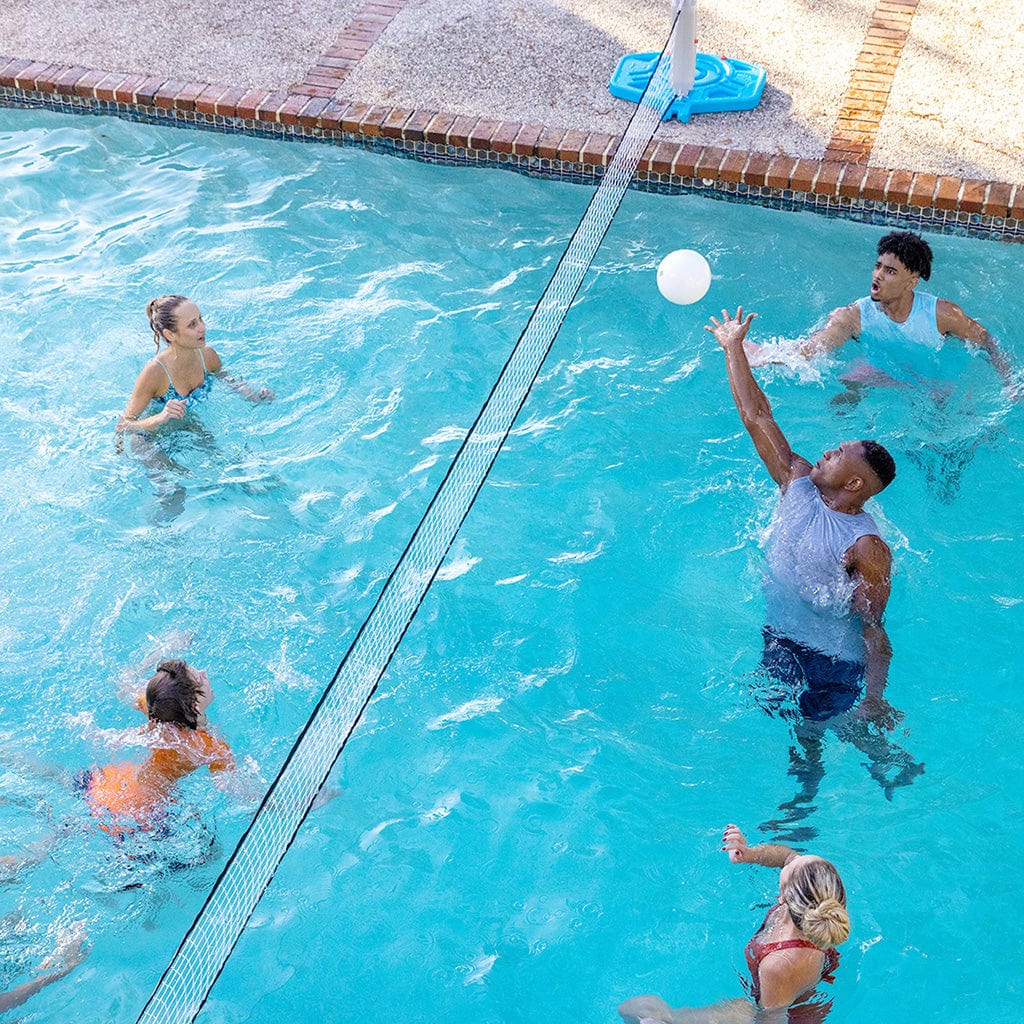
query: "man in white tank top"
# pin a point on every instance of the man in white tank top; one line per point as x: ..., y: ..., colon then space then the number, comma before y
x: 895, y: 319
x: 826, y: 588
x: 828, y: 577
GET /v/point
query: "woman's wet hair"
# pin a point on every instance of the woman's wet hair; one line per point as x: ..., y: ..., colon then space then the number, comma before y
x: 172, y: 694
x: 162, y: 315
x: 910, y: 249
x: 816, y: 900
x: 879, y: 459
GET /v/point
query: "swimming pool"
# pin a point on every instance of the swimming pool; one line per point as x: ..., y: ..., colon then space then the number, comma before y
x: 528, y: 816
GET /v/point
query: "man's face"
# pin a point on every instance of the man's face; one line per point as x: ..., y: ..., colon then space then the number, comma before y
x: 890, y: 280
x: 839, y: 465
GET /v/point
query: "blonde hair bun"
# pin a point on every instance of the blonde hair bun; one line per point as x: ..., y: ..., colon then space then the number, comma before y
x: 827, y: 924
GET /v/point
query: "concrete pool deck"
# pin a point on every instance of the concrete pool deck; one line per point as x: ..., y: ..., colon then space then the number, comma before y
x: 888, y: 110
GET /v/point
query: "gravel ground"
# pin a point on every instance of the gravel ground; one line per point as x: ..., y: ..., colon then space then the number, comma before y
x: 549, y: 62
x: 261, y: 46
x: 956, y: 105
x: 957, y: 102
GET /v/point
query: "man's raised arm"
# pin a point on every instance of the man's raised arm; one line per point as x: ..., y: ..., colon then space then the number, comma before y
x: 754, y: 408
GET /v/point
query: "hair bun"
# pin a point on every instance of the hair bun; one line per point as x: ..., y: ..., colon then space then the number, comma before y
x: 827, y: 924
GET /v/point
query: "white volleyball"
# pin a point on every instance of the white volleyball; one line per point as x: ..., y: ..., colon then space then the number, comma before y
x: 684, y: 277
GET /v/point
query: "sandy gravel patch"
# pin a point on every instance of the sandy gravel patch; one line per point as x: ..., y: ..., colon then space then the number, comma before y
x: 549, y: 61
x: 957, y: 102
x: 264, y: 46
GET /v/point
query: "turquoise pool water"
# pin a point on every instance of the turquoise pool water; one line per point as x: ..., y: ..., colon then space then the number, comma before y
x: 526, y: 821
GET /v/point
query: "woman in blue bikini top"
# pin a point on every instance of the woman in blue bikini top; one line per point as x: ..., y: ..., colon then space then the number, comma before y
x: 179, y: 375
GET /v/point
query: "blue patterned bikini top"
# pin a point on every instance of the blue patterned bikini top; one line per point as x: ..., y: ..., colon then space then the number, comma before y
x: 200, y: 391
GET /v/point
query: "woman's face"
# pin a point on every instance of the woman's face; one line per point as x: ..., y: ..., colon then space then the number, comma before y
x: 189, y: 327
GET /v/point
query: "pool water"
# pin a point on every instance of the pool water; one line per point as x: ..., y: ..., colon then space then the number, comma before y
x: 525, y: 825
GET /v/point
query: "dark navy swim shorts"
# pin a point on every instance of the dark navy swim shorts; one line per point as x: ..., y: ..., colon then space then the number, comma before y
x: 824, y: 687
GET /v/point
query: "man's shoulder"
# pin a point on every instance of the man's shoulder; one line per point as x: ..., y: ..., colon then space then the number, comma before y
x: 949, y: 317
x: 870, y: 549
x: 848, y: 316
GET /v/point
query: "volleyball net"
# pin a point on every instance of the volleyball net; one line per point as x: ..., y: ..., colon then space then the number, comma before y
x: 193, y: 970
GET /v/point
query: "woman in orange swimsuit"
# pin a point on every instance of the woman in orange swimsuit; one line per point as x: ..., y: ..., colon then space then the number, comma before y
x: 791, y: 952
x: 178, y: 376
x: 132, y: 800
x: 128, y: 797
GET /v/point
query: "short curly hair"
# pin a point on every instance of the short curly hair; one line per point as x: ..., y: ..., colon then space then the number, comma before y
x: 910, y: 249
x: 879, y: 459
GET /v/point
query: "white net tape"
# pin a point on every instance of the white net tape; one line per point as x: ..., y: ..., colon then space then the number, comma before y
x: 181, y: 991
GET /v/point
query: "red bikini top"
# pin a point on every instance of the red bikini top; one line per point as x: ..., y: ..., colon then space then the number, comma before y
x: 756, y: 951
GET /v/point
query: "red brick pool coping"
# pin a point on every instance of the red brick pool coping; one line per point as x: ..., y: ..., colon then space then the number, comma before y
x: 843, y: 182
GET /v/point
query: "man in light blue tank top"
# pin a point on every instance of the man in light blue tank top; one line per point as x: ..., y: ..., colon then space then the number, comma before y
x: 898, y: 327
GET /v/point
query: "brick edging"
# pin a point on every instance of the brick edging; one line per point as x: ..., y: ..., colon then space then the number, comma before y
x: 867, y: 95
x: 334, y: 65
x: 666, y: 166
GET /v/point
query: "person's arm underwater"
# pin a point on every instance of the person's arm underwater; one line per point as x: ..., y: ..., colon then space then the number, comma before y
x: 950, y: 319
x: 243, y: 388
x: 728, y: 1011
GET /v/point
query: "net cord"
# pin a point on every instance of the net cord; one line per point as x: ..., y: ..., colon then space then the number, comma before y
x: 184, y: 986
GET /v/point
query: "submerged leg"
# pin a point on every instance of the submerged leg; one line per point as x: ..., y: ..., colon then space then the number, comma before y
x: 12, y: 865
x: 807, y: 767
x: 69, y: 954
x: 164, y: 473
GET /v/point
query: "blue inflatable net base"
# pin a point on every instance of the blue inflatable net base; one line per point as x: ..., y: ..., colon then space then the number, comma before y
x: 720, y: 84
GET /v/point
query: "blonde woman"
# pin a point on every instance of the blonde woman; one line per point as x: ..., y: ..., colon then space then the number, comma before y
x: 179, y: 374
x: 792, y: 951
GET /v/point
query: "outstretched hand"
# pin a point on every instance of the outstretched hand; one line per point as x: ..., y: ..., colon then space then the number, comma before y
x: 730, y: 331
x: 734, y: 843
